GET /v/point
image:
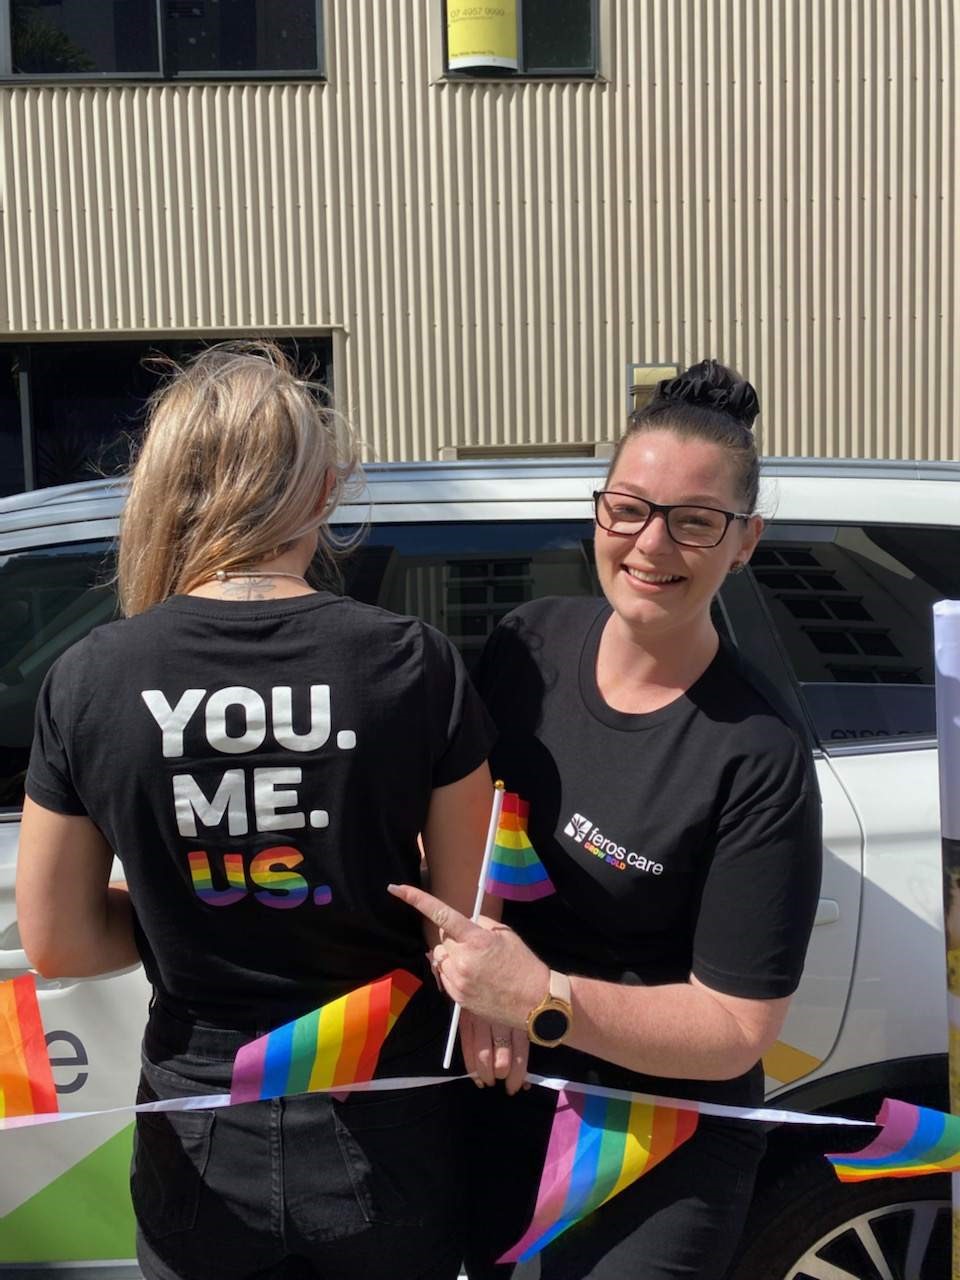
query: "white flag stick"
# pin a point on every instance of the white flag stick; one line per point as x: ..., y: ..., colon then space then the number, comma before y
x: 495, y: 808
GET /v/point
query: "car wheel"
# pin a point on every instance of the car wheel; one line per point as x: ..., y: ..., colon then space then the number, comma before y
x: 810, y: 1226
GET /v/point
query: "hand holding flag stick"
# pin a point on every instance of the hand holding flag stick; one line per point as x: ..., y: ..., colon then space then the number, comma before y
x: 487, y: 968
x: 495, y: 807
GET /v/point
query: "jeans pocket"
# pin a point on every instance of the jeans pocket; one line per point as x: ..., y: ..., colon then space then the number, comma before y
x: 170, y: 1154
x: 400, y: 1151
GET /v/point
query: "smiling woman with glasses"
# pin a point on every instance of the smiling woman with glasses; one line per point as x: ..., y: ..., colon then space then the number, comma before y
x: 674, y: 810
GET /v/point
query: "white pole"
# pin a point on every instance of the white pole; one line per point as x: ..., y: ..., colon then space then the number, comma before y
x: 495, y: 807
x: 946, y: 645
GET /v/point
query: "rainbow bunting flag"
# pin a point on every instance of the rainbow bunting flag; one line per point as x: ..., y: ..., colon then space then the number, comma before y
x: 913, y: 1141
x: 337, y: 1044
x: 26, y: 1080
x: 515, y: 871
x: 597, y: 1147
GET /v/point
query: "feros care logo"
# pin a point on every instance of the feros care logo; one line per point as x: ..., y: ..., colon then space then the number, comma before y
x: 585, y: 832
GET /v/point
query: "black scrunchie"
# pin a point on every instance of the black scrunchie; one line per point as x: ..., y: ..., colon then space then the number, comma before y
x: 709, y: 385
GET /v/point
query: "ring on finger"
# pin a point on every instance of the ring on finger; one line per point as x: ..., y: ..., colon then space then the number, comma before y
x: 501, y: 1042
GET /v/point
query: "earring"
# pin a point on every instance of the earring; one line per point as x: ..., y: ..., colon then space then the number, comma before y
x: 738, y: 566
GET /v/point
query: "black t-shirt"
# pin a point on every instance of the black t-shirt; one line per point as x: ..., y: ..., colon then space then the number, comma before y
x: 685, y: 840
x: 262, y: 769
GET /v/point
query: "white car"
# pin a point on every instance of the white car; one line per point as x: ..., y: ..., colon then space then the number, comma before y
x: 836, y: 611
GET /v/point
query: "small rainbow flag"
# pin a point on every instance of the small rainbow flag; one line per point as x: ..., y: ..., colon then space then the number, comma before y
x: 913, y: 1141
x: 26, y: 1080
x: 515, y: 871
x: 337, y: 1044
x: 597, y: 1147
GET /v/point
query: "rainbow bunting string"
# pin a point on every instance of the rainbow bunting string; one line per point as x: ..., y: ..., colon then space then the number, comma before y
x: 597, y: 1147
x: 337, y: 1044
x: 913, y: 1141
x: 515, y: 871
x: 26, y: 1080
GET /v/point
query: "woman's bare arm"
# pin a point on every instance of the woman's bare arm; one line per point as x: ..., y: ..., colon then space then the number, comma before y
x: 72, y: 922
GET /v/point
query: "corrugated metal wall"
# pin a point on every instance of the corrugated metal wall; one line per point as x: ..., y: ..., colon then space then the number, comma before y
x: 774, y: 183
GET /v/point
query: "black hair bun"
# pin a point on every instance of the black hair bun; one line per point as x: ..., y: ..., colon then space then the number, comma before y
x: 711, y: 385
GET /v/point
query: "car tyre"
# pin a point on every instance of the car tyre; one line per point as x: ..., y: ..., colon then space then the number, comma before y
x: 809, y: 1226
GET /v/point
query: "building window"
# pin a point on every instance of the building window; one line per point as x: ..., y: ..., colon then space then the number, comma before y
x: 72, y: 411
x: 165, y: 39
x: 521, y: 37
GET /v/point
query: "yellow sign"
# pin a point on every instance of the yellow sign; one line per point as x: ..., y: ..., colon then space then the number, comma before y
x: 481, y: 35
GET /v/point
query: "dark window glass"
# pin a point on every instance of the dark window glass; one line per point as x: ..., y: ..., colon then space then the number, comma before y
x: 421, y: 569
x: 807, y: 608
x: 49, y: 599
x: 83, y: 38
x: 11, y: 446
x: 241, y: 36
x: 848, y: 610
x: 557, y: 35
x: 873, y: 678
x: 88, y: 399
x: 831, y: 641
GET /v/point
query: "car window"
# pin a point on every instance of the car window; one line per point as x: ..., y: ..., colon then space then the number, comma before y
x: 463, y: 578
x: 49, y: 599
x: 852, y: 606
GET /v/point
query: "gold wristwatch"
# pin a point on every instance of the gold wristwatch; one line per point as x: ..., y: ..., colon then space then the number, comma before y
x: 549, y: 1022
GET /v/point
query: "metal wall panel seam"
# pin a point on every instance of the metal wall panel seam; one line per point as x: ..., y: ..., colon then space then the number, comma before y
x: 501, y: 276
x: 373, y: 345
x: 435, y: 264
x: 932, y: 80
x: 186, y: 287
x: 8, y: 220
x: 77, y: 250
x: 116, y: 194
x: 271, y: 149
x: 291, y: 159
x: 164, y: 314
x: 205, y: 144
x: 140, y: 251
x: 27, y: 216
x: 224, y: 182
x: 407, y: 436
x: 242, y: 108
x: 318, y: 221
x: 949, y: 221
x: 44, y: 214
x: 418, y: 301
x: 881, y: 267
x: 152, y: 175
x: 830, y: 242
x: 483, y: 253
x: 410, y: 434
x: 343, y: 182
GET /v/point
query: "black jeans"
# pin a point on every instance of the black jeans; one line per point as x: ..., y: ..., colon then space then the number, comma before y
x: 682, y: 1219
x: 297, y: 1188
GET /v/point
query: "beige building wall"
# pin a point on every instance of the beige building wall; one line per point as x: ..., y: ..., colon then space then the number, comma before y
x: 770, y: 181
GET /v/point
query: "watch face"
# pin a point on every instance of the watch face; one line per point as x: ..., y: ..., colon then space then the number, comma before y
x: 551, y: 1024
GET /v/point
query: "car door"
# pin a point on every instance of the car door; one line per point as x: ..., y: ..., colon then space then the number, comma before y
x: 817, y: 1010
x: 849, y: 606
x: 64, y: 1187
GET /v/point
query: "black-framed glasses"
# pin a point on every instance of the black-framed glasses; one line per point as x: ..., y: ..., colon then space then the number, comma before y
x: 627, y: 515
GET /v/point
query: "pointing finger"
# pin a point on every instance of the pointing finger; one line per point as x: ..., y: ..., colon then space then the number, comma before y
x: 448, y: 919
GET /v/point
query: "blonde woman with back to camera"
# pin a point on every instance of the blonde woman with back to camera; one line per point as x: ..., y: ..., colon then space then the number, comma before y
x: 261, y: 756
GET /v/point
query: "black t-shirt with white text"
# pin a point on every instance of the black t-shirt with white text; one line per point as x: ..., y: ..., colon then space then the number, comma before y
x: 263, y: 770
x: 682, y: 841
